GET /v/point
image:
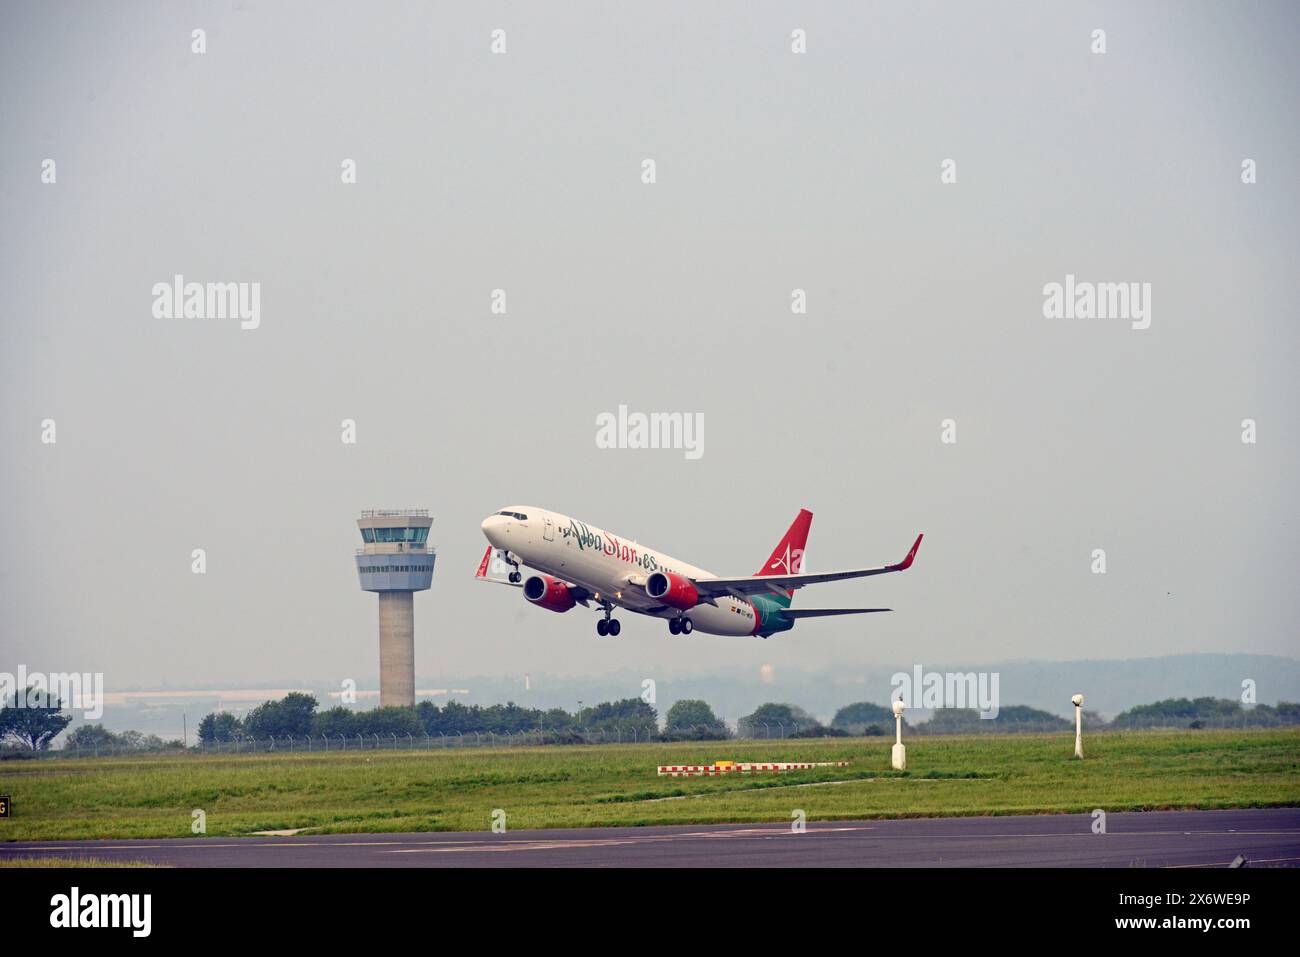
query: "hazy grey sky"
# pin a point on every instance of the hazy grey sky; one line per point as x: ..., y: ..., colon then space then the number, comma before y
x: 776, y: 171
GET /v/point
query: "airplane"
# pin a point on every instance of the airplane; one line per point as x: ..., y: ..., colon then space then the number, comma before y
x: 579, y: 564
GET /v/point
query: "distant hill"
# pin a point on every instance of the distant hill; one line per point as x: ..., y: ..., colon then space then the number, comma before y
x: 1109, y: 686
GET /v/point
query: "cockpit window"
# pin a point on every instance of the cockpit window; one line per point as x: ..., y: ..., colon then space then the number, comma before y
x: 519, y: 515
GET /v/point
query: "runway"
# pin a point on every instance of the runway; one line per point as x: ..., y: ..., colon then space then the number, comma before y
x: 1266, y: 837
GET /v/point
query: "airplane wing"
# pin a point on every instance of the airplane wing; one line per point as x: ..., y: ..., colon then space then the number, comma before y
x: 758, y: 584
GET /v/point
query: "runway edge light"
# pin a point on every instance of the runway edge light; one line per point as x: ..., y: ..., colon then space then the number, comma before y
x: 898, y: 756
x: 1078, y: 726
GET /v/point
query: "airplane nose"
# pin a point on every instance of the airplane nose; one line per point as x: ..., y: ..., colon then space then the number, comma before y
x: 491, y: 526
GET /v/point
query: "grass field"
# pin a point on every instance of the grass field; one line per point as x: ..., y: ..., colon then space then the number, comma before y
x: 153, y: 796
x: 62, y: 863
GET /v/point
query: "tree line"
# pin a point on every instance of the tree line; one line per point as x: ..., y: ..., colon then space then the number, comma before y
x: 296, y: 715
x: 693, y: 719
x: 35, y: 726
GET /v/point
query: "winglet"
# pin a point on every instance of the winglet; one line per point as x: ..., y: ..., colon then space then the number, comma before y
x: 483, y: 565
x: 907, y: 562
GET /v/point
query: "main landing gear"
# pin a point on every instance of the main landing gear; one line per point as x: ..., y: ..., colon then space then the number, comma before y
x: 607, y: 625
x: 515, y: 576
x: 680, y: 626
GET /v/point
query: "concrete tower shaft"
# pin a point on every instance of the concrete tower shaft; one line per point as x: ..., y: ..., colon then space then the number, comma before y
x: 396, y: 648
x: 396, y: 561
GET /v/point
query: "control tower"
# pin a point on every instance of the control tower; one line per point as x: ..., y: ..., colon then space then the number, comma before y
x: 396, y: 561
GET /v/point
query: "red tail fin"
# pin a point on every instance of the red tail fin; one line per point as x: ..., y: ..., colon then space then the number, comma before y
x: 787, y: 559
x: 483, y: 565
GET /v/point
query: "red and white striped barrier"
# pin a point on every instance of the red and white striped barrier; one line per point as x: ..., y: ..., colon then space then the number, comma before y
x: 703, y: 770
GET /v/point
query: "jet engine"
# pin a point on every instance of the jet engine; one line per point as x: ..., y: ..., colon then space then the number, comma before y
x: 550, y: 593
x: 672, y: 590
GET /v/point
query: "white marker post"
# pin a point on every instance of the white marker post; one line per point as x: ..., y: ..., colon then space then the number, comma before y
x: 1078, y: 726
x: 899, y: 754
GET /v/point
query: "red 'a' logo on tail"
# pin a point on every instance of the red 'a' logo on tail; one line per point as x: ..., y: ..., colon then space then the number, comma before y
x: 787, y: 558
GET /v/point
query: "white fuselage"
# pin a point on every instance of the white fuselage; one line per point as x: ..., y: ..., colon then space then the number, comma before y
x: 610, y: 567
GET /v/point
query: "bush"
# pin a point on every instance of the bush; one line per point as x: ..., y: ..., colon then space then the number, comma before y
x: 856, y: 718
x: 772, y: 718
x: 820, y: 731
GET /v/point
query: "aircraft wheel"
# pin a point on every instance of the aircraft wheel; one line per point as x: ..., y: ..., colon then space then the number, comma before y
x: 516, y: 578
x: 674, y: 626
x: 687, y: 626
x: 614, y: 627
x: 602, y: 628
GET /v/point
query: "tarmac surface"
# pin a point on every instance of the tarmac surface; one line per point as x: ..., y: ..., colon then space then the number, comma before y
x: 1266, y: 837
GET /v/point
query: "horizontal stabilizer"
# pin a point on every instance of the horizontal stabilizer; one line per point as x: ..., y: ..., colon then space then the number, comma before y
x: 494, y: 568
x: 823, y: 612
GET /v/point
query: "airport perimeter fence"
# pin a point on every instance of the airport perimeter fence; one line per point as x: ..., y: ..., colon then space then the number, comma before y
x: 1245, y: 720
x: 618, y: 734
